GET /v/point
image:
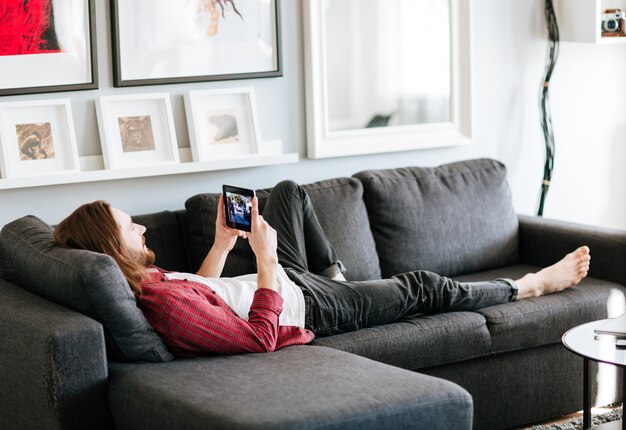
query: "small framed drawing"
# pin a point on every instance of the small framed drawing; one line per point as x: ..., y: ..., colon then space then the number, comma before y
x: 137, y: 130
x: 222, y: 123
x: 37, y: 138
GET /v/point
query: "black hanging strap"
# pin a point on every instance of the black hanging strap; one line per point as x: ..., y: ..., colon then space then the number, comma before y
x: 546, y: 115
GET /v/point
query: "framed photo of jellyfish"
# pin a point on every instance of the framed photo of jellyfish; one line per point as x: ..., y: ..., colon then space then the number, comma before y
x: 222, y: 123
x: 47, y: 46
x: 178, y: 41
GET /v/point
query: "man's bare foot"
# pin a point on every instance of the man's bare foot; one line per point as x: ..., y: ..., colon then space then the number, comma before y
x: 570, y: 270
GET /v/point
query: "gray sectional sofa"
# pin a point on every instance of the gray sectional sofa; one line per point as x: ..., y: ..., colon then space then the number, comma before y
x: 77, y: 353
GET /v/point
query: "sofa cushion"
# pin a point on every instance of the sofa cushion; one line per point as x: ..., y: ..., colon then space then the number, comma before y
x: 339, y: 207
x: 299, y: 387
x: 418, y: 342
x: 87, y: 282
x: 342, y: 214
x: 163, y: 236
x: 6, y: 268
x: 452, y: 219
x: 534, y: 322
x: 53, y: 365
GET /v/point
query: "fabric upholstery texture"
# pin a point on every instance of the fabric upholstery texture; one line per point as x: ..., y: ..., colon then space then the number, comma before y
x: 340, y: 209
x: 424, y: 341
x: 418, y: 342
x: 299, y: 387
x: 6, y: 268
x: 547, y: 381
x: 87, y: 282
x: 542, y: 320
x: 544, y: 241
x: 59, y: 379
x: 452, y: 219
x: 164, y: 237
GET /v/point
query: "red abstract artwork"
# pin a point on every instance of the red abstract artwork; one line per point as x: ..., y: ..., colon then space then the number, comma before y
x: 27, y: 27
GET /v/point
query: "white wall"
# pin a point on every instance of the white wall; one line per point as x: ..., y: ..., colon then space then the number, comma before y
x: 509, y: 49
x: 588, y: 96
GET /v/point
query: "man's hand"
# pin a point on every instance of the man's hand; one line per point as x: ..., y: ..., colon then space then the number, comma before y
x: 262, y: 239
x: 225, y: 237
x: 263, y: 242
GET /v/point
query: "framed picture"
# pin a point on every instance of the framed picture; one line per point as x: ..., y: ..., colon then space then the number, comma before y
x: 353, y: 107
x: 175, y: 41
x: 137, y: 130
x: 222, y: 123
x: 47, y: 46
x: 37, y: 138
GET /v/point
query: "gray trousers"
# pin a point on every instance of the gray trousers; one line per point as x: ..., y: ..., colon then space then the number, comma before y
x: 341, y: 306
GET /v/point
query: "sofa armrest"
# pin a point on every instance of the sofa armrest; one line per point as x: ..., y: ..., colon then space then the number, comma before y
x: 53, y: 365
x: 544, y: 241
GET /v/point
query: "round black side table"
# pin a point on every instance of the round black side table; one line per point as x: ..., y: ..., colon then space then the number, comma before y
x: 582, y: 341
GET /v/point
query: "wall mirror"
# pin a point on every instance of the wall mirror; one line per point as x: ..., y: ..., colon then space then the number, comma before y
x: 386, y: 75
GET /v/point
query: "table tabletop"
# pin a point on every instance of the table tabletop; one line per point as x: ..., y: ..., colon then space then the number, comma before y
x: 582, y: 340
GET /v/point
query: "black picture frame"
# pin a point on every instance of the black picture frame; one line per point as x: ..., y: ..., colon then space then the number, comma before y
x: 88, y: 84
x: 119, y: 81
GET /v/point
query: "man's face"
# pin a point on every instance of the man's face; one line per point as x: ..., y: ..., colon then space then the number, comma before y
x: 132, y: 236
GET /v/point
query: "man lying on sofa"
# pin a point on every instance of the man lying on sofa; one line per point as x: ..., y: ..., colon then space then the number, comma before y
x: 298, y: 290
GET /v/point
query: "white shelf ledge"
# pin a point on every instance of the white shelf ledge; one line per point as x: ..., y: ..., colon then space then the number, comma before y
x: 92, y: 169
x: 581, y: 20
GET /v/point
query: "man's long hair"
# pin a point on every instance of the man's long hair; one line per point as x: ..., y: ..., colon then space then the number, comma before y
x: 92, y: 227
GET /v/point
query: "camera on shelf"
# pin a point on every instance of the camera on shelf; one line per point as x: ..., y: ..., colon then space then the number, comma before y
x: 613, y: 23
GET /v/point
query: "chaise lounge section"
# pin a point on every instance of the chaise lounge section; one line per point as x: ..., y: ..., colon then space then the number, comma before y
x: 55, y: 375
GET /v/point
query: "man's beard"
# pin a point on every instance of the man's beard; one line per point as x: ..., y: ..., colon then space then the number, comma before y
x: 149, y: 257
x: 146, y: 257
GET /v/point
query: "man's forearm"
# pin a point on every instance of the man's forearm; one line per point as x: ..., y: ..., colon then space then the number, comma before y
x: 213, y: 263
x: 266, y: 275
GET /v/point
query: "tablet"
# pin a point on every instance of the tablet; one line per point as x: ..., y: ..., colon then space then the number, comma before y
x: 238, y: 207
x: 613, y: 327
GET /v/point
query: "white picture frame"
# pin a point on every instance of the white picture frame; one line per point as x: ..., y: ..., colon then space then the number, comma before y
x: 137, y: 131
x: 222, y: 123
x: 37, y: 138
x: 322, y: 142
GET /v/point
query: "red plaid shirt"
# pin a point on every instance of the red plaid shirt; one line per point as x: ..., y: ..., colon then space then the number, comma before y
x: 193, y: 320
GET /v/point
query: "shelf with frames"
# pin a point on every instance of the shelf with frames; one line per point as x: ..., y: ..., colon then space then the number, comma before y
x: 92, y: 168
x: 581, y: 20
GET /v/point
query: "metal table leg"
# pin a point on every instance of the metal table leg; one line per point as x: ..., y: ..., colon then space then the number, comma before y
x: 623, y: 397
x: 586, y: 395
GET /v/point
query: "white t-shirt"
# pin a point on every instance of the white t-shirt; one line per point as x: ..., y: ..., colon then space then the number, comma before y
x: 238, y: 293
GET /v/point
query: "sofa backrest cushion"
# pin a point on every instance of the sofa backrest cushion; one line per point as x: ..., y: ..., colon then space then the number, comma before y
x: 87, y: 282
x: 164, y: 236
x: 6, y: 268
x: 340, y: 209
x: 453, y: 219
